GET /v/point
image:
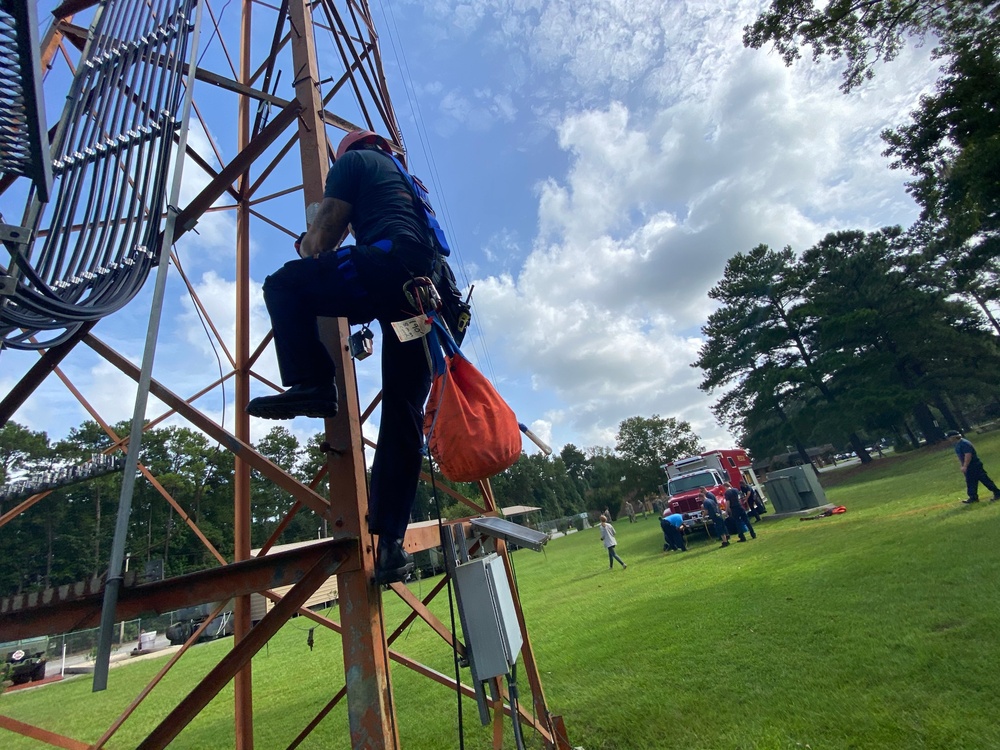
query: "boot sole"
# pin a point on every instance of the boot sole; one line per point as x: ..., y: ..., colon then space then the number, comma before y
x: 393, y: 576
x: 312, y: 409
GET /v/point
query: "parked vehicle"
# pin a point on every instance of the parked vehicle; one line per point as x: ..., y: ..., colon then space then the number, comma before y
x: 709, y: 470
x: 23, y: 661
x: 190, y: 618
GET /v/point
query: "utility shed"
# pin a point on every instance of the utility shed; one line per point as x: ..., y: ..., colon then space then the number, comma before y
x: 323, y: 597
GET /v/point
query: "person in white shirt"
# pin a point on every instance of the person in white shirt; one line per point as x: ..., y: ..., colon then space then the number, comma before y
x: 608, y: 537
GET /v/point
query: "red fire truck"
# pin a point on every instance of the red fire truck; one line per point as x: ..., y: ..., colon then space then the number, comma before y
x: 686, y: 476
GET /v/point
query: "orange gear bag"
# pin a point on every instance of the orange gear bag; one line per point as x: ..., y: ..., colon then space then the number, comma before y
x: 470, y: 430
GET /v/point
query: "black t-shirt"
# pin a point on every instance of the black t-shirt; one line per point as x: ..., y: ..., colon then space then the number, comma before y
x: 733, y: 498
x: 382, y: 208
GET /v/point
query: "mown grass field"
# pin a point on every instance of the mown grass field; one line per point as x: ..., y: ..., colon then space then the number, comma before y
x: 879, y: 628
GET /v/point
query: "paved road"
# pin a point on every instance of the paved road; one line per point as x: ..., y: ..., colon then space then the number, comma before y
x: 85, y: 662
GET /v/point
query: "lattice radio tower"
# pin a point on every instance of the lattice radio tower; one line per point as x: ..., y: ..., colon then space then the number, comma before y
x: 101, y: 216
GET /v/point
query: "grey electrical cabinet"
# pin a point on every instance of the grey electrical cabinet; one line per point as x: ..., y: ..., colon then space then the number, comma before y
x: 783, y: 495
x: 801, y: 485
x: 488, y: 615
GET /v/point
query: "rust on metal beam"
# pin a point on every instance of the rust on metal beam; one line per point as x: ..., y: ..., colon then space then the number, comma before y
x: 121, y: 444
x: 536, y: 722
x: 49, y: 46
x: 268, y: 220
x: 300, y: 738
x: 18, y: 509
x: 191, y: 641
x: 236, y: 87
x: 405, y: 622
x: 497, y: 718
x: 438, y: 677
x: 244, y: 651
x: 179, y: 509
x: 189, y: 216
x: 359, y: 65
x: 292, y: 512
x: 421, y: 610
x: 72, y: 7
x: 74, y: 33
x: 39, y: 371
x: 242, y: 522
x: 75, y: 607
x: 42, y: 735
x: 258, y: 351
x: 527, y: 651
x: 559, y: 730
x: 239, y: 448
x: 420, y: 538
x: 265, y: 173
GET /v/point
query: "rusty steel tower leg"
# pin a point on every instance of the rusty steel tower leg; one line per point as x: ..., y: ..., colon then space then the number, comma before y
x: 243, y: 681
x: 366, y: 665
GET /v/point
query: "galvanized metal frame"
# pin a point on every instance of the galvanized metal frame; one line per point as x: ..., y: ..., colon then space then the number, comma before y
x: 367, y: 638
x: 23, y: 137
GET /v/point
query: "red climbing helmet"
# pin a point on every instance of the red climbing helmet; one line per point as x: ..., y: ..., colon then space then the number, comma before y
x: 361, y: 136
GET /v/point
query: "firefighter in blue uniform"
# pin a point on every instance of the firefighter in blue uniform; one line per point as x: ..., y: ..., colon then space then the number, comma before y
x: 397, y: 240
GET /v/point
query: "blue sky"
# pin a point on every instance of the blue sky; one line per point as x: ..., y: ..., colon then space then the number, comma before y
x: 595, y: 164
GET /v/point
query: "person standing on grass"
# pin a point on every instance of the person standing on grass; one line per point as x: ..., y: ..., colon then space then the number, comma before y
x: 608, y: 537
x: 738, y: 514
x: 752, y: 498
x: 972, y: 467
x: 711, y: 506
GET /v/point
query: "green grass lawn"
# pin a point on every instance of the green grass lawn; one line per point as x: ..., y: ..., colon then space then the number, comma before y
x: 879, y: 628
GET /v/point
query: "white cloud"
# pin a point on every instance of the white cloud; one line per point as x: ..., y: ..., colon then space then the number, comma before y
x: 605, y: 308
x: 218, y: 295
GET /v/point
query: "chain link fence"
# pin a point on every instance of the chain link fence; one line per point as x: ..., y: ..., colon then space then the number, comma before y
x: 129, y: 635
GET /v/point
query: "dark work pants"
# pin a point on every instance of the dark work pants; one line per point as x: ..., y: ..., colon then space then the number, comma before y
x: 674, y: 537
x: 719, y: 527
x: 976, y: 474
x: 741, y: 519
x: 327, y: 286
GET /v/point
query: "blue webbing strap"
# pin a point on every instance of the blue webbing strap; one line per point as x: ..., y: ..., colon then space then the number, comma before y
x: 435, y: 347
x: 425, y: 204
x: 439, y: 368
x: 439, y: 344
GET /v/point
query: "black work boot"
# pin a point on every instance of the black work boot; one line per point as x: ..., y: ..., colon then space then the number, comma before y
x: 298, y: 401
x: 394, y: 563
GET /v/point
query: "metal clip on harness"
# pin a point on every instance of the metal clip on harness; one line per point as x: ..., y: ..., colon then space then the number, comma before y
x: 422, y: 295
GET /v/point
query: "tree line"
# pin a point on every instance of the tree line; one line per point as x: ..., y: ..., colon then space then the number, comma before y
x: 890, y: 332
x: 66, y: 536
